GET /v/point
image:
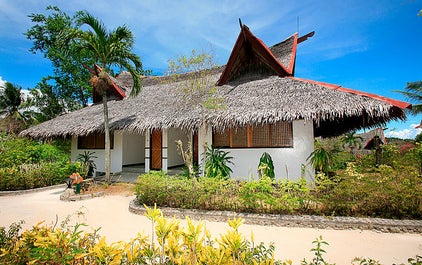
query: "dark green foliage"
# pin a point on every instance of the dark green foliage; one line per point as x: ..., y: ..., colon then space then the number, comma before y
x: 10, y: 98
x: 26, y: 164
x: 261, y: 196
x: 321, y: 158
x: 266, y: 166
x: 70, y: 80
x: 88, y: 164
x: 413, y: 91
x: 418, y: 138
x: 359, y: 190
x: 216, y: 164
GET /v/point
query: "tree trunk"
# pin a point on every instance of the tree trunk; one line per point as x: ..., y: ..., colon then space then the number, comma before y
x: 107, y: 139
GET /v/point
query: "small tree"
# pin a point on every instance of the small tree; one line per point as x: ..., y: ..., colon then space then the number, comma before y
x: 352, y: 141
x: 187, y: 156
x: 198, y: 86
x: 10, y: 104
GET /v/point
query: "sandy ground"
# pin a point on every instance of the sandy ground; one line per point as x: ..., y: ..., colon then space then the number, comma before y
x: 117, y: 223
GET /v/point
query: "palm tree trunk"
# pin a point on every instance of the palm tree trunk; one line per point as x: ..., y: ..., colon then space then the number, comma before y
x: 107, y: 139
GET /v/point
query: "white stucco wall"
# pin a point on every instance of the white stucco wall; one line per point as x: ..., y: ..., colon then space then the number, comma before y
x: 116, y: 153
x: 133, y: 149
x: 287, y: 161
x: 173, y: 156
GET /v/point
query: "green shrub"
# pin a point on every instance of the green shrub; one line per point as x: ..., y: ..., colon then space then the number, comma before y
x: 27, y: 164
x: 216, y: 164
x: 385, y: 192
x: 169, y: 243
x: 266, y: 166
x: 260, y: 196
x: 31, y: 176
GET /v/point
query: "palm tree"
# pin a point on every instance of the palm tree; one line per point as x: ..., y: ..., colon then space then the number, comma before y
x: 109, y: 49
x: 10, y: 99
x: 10, y: 102
x: 352, y: 141
x: 413, y: 91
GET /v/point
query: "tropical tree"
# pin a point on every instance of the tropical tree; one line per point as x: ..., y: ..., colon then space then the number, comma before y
x: 198, y: 88
x: 44, y: 104
x: 413, y: 91
x: 10, y: 98
x: 10, y: 103
x: 108, y: 49
x: 69, y: 84
x: 352, y: 141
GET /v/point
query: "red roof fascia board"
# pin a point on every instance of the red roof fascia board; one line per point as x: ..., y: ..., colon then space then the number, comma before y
x: 397, y: 103
x: 293, y: 54
x: 230, y: 63
x: 258, y: 45
x: 265, y: 52
x: 117, y: 91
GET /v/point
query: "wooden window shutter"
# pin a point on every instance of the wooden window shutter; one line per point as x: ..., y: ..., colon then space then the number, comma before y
x: 282, y: 134
x: 221, y: 139
x: 261, y: 136
x: 239, y: 137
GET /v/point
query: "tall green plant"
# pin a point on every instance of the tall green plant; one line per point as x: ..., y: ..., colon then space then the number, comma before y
x: 320, y: 158
x: 88, y: 163
x: 266, y: 166
x: 216, y: 164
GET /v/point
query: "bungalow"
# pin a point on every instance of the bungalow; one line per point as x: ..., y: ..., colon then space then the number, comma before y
x: 266, y: 109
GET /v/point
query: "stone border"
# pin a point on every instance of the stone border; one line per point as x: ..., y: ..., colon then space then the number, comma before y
x: 69, y: 195
x: 20, y: 192
x: 307, y: 221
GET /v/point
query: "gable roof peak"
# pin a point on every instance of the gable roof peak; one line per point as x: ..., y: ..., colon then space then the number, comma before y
x: 250, y: 56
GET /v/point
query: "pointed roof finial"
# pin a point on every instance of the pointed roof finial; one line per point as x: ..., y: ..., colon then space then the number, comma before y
x: 240, y: 23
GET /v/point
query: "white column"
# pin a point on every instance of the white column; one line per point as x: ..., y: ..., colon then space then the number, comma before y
x: 147, y: 150
x: 164, y: 158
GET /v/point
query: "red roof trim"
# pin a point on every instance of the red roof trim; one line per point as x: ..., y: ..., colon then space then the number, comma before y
x: 258, y: 45
x: 397, y: 103
x: 117, y: 91
x: 237, y: 46
x: 293, y: 54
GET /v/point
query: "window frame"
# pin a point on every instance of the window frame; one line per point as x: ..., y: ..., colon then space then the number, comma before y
x: 268, y: 129
x: 96, y: 140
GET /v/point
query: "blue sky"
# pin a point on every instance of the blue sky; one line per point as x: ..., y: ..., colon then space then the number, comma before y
x: 369, y: 45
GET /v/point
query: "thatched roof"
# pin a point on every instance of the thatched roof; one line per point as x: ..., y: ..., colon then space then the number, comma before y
x: 248, y: 98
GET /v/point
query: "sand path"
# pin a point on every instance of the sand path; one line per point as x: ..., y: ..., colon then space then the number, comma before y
x: 117, y: 223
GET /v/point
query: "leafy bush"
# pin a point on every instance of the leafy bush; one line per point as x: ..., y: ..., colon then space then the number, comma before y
x: 31, y: 176
x: 266, y: 166
x: 17, y: 151
x: 27, y: 164
x: 216, y: 164
x: 169, y: 244
x: 261, y: 196
x: 382, y: 193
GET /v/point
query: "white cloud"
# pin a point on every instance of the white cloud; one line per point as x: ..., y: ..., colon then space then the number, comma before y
x: 408, y: 133
x: 2, y: 82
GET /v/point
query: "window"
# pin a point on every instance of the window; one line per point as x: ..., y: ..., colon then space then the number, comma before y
x: 94, y: 141
x: 269, y: 135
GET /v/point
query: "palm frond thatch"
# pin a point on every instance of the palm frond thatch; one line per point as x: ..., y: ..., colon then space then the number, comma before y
x: 267, y: 100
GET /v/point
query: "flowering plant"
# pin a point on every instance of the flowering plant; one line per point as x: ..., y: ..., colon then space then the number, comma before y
x: 77, y: 179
